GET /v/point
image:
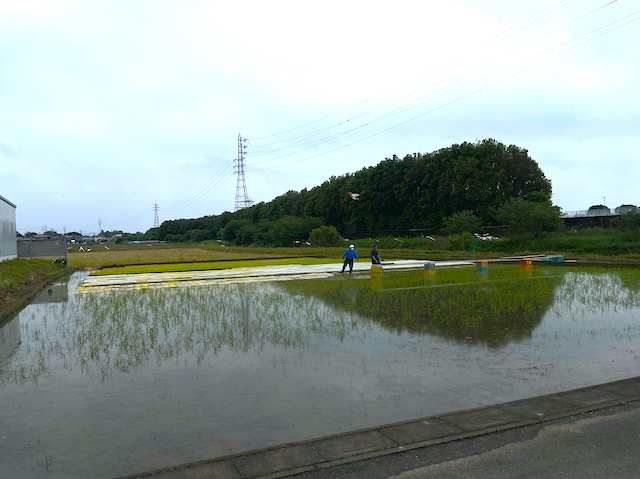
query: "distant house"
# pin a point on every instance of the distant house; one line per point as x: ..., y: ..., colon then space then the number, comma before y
x: 74, y: 239
x: 622, y: 209
x: 8, y: 241
x: 599, y: 210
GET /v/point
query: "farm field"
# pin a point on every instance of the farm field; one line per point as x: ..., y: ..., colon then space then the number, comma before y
x: 158, y: 377
x: 142, y: 254
x: 122, y: 255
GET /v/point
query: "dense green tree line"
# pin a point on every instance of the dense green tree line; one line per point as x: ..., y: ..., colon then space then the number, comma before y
x: 417, y: 191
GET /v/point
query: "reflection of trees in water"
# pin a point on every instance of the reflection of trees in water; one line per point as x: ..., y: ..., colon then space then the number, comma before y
x: 120, y: 331
x: 494, y: 310
x: 457, y: 305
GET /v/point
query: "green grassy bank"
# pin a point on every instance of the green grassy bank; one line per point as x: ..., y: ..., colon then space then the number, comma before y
x: 21, y: 279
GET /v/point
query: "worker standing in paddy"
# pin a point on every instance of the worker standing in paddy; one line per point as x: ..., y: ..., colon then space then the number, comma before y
x: 375, y: 255
x: 348, y: 256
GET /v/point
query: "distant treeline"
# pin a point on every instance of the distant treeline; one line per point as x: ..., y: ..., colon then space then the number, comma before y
x: 417, y: 191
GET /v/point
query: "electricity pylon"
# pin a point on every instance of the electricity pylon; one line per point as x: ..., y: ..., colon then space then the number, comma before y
x: 156, y: 223
x: 242, y: 197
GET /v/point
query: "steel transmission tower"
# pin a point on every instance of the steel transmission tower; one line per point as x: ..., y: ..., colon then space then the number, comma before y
x: 242, y: 197
x: 156, y: 223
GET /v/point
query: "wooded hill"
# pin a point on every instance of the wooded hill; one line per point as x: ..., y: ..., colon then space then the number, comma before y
x: 417, y: 191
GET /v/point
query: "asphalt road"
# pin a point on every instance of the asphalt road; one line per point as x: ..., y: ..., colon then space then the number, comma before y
x: 603, y: 444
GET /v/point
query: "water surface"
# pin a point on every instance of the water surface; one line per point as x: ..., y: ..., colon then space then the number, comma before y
x: 102, y: 385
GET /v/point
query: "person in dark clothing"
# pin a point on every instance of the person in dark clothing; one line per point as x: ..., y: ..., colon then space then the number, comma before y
x: 375, y: 256
x: 348, y: 258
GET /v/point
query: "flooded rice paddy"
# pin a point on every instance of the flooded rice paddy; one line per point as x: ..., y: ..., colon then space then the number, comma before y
x: 101, y: 385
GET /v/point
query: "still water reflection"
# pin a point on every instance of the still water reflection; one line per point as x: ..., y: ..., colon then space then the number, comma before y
x: 111, y: 384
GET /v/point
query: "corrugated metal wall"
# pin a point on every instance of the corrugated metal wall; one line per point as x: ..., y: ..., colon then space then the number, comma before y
x: 8, y: 245
x: 37, y: 248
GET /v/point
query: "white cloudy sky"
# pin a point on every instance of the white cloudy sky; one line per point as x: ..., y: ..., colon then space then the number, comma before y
x: 109, y: 107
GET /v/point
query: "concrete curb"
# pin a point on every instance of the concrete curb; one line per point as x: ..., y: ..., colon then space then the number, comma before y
x: 330, y: 451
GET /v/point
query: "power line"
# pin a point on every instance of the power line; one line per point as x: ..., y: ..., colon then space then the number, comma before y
x: 204, y: 190
x: 517, y: 28
x: 484, y: 87
x: 263, y: 173
x: 228, y: 173
x: 115, y: 223
x: 406, y: 107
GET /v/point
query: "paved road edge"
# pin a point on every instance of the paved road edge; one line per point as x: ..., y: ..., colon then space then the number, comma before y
x: 329, y: 451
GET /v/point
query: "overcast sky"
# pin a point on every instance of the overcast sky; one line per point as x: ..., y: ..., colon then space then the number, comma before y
x: 109, y: 107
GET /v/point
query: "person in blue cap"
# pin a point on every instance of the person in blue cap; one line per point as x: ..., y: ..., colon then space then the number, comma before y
x: 348, y: 258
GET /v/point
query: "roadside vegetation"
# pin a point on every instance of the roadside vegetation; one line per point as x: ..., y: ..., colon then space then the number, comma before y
x: 20, y: 278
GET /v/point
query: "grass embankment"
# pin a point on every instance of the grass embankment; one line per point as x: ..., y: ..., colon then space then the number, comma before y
x: 596, y: 241
x: 21, y: 279
x: 601, y: 243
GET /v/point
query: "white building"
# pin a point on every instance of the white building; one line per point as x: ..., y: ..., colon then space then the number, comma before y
x: 8, y: 242
x: 622, y: 209
x: 599, y: 210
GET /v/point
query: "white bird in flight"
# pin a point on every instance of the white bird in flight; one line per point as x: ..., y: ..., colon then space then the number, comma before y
x: 354, y: 196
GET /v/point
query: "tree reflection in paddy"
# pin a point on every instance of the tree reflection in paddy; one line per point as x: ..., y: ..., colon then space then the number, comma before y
x: 457, y: 304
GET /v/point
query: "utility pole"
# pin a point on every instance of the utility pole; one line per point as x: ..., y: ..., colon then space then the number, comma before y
x: 242, y: 197
x: 156, y: 223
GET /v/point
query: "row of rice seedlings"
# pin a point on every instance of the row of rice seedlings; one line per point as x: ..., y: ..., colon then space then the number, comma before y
x: 122, y: 331
x: 588, y: 293
x: 597, y: 306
